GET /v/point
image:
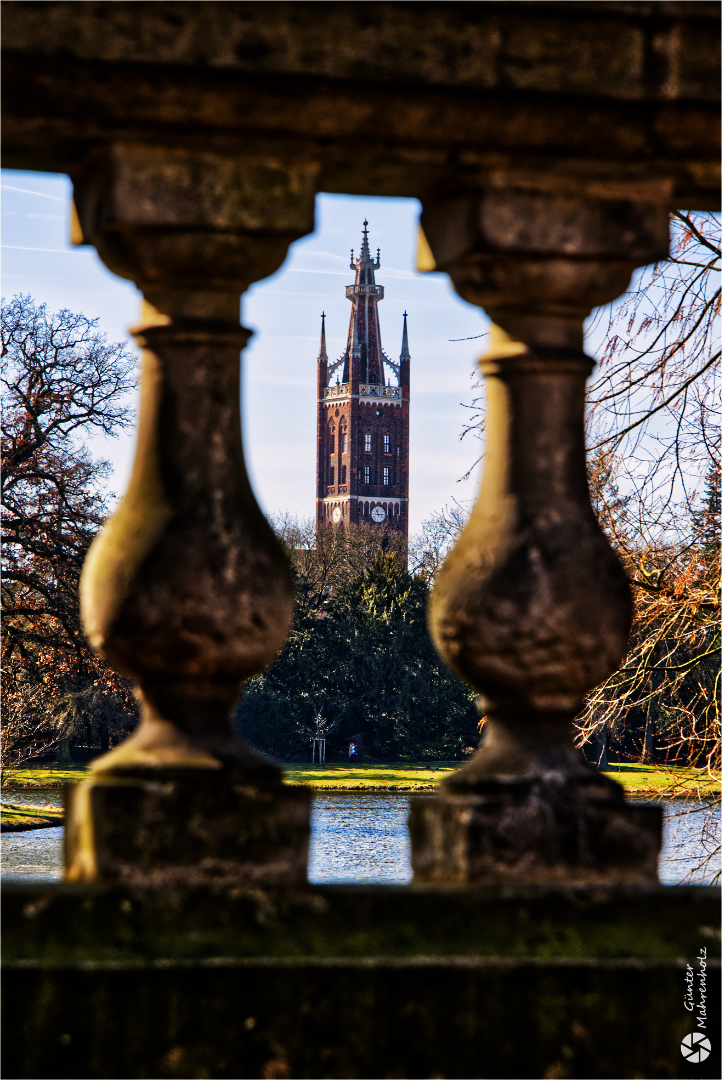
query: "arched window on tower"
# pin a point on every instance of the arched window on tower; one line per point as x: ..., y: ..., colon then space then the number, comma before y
x: 367, y: 442
x: 387, y: 444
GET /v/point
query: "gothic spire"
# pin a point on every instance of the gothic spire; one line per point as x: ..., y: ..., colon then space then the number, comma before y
x: 405, y: 354
x: 365, y: 264
x: 365, y: 253
x: 322, y: 354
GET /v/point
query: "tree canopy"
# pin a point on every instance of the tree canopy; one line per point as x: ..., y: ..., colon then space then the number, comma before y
x: 61, y: 381
x: 362, y: 659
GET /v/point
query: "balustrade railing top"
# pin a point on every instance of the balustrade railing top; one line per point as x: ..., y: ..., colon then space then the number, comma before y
x: 339, y: 390
x: 365, y: 290
x: 379, y: 390
x: 187, y: 588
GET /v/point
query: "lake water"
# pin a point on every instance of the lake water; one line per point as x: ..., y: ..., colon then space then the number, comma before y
x: 358, y: 837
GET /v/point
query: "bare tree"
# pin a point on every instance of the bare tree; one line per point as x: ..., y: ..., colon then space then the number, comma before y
x: 61, y: 380
x: 653, y: 429
x: 327, y: 557
x: 24, y: 732
x: 654, y: 404
x: 429, y: 547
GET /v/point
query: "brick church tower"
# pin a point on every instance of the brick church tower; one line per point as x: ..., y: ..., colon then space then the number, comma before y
x: 362, y: 469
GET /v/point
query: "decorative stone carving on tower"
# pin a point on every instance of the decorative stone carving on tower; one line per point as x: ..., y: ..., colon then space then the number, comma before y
x: 362, y: 471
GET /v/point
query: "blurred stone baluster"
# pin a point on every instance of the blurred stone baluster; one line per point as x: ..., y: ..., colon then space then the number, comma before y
x: 532, y: 607
x: 187, y: 589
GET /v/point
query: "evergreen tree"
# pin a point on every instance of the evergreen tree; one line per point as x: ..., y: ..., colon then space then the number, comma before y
x: 366, y: 660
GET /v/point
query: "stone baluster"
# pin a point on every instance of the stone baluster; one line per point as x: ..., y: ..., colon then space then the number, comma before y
x: 532, y: 607
x: 186, y: 589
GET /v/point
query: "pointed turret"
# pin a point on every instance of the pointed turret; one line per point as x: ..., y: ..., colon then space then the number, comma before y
x: 404, y: 361
x: 322, y: 354
x: 405, y: 354
x: 322, y: 361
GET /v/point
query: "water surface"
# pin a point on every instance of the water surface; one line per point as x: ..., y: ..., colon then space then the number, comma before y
x: 363, y: 838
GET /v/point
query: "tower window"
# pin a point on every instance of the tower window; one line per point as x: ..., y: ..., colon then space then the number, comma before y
x: 342, y: 442
x: 330, y: 475
x: 367, y: 474
x: 343, y: 474
x: 387, y: 444
x: 367, y: 443
x: 387, y: 476
x: 331, y: 444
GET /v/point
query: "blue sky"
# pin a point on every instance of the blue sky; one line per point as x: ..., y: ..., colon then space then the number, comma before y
x: 279, y: 367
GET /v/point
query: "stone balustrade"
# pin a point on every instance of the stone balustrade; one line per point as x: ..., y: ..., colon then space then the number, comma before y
x: 379, y: 390
x: 340, y: 390
x: 547, y: 144
x: 364, y: 290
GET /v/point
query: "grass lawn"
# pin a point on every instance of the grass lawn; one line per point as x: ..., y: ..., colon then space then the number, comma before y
x: 17, y: 818
x: 403, y: 776
x: 44, y: 776
x: 423, y: 776
x: 661, y: 780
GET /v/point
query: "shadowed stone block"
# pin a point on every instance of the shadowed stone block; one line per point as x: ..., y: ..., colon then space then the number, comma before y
x: 339, y: 981
x: 186, y: 825
x: 531, y: 831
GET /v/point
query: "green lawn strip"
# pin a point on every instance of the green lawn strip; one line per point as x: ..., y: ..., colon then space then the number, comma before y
x: 636, y: 779
x: 402, y: 777
x: 44, y: 776
x: 18, y: 818
x: 658, y: 780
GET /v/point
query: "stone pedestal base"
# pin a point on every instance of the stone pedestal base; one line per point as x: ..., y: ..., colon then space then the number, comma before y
x: 186, y: 826
x: 526, y: 832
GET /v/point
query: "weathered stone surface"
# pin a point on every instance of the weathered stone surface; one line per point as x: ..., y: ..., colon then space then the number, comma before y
x: 385, y: 101
x: 532, y: 604
x: 574, y: 832
x: 532, y: 607
x: 179, y: 826
x: 619, y: 50
x: 352, y: 982
x: 187, y: 588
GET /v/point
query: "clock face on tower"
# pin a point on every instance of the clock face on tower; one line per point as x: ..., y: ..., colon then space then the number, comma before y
x: 378, y: 514
x: 337, y: 514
